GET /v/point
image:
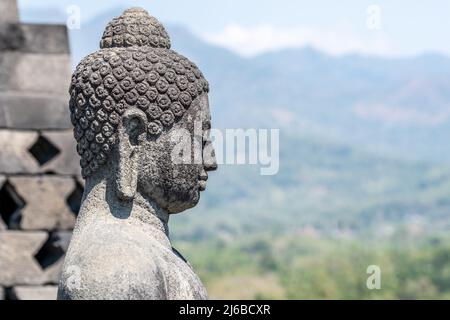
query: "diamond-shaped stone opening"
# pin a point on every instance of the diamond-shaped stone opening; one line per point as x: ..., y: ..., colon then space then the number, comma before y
x: 43, y: 150
x: 74, y: 199
x: 50, y: 253
x: 10, y: 205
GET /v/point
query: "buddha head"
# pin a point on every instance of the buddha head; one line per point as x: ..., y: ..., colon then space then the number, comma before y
x: 128, y: 101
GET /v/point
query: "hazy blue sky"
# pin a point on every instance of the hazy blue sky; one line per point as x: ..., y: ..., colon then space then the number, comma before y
x: 392, y: 27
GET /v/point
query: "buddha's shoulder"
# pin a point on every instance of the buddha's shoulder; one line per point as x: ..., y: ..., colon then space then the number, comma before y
x: 131, y: 263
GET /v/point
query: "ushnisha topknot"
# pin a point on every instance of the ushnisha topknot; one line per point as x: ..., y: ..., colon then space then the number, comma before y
x: 138, y: 71
x: 135, y: 27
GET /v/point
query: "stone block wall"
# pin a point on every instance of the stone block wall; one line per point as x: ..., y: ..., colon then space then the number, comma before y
x: 40, y: 184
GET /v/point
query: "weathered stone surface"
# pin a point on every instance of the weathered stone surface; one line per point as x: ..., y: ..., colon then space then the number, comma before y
x: 2, y: 224
x: 14, y: 155
x: 35, y: 292
x: 55, y: 153
x: 129, y: 101
x: 20, y: 110
x: 11, y: 37
x: 17, y: 263
x: 9, y: 11
x: 8, y: 62
x: 67, y: 161
x: 34, y: 38
x: 40, y: 38
x: 45, y: 202
x: 44, y: 258
x: 34, y: 72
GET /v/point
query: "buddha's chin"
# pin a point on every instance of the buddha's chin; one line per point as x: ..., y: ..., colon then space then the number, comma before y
x: 202, y: 185
x: 180, y: 206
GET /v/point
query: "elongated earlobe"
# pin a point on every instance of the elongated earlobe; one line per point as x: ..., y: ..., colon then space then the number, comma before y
x: 131, y: 129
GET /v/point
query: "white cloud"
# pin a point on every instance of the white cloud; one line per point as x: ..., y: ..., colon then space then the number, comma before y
x: 250, y: 41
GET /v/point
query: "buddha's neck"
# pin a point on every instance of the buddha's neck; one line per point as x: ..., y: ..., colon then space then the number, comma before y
x: 100, y: 200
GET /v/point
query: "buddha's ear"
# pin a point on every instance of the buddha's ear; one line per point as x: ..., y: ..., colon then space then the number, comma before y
x: 131, y: 133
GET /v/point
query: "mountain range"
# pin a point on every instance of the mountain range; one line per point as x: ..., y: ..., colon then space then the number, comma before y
x: 395, y: 107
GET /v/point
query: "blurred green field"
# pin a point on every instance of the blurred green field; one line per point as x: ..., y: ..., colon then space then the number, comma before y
x: 305, y: 267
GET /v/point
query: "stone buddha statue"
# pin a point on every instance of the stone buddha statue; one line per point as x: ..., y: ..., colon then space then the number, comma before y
x: 128, y: 102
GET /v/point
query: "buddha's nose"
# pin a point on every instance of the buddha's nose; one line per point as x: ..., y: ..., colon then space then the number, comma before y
x: 209, y: 157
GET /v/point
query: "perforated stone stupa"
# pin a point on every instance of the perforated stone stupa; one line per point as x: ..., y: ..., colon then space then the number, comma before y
x: 40, y: 183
